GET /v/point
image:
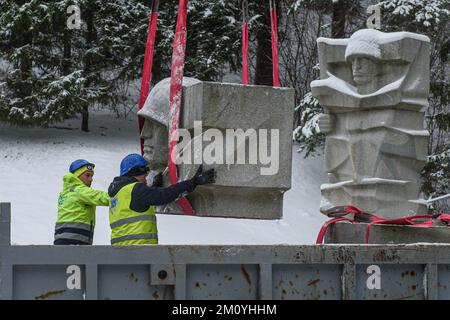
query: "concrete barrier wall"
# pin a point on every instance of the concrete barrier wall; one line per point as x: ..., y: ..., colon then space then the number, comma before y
x: 413, y: 271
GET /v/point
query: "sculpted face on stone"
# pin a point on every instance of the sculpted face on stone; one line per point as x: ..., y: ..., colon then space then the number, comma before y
x: 154, y: 132
x: 155, y: 144
x: 156, y: 114
x: 364, y: 70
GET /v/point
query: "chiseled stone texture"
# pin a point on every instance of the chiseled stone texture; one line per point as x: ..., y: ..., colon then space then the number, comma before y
x: 374, y: 88
x: 240, y: 189
x: 344, y: 232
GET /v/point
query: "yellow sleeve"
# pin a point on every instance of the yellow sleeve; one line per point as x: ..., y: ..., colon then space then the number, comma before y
x: 92, y: 197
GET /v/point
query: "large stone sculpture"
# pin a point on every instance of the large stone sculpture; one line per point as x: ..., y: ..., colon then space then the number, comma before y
x: 255, y: 120
x: 374, y: 88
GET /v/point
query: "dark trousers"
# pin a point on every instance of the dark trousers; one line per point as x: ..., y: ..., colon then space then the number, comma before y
x: 65, y: 242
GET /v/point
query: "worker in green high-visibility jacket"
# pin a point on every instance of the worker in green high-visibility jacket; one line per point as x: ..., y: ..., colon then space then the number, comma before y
x: 76, y: 205
x: 133, y: 204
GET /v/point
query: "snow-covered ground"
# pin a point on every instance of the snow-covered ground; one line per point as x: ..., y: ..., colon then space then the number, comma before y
x: 33, y: 161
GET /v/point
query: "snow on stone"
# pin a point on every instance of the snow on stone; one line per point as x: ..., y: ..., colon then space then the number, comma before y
x: 340, y: 85
x: 395, y: 36
x: 423, y: 133
x: 382, y: 37
x: 334, y: 82
x: 160, y: 95
x: 365, y: 42
x: 332, y: 41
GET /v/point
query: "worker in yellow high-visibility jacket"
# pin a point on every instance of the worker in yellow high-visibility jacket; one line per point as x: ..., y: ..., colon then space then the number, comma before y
x: 76, y: 205
x: 133, y: 204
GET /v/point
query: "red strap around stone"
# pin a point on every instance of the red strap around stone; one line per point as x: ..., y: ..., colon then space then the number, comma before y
x: 377, y: 220
x: 325, y: 226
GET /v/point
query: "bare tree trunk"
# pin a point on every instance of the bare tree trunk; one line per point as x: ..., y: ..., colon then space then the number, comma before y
x: 338, y: 19
x: 85, y: 118
x: 26, y: 62
x: 90, y: 38
x: 263, y: 72
x: 67, y: 55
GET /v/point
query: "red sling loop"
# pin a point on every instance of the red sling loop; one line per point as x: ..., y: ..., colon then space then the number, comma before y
x: 274, y: 37
x: 176, y: 90
x: 148, y: 63
x: 273, y: 24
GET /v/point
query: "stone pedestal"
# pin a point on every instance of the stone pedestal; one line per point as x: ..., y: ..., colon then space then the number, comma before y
x: 348, y: 233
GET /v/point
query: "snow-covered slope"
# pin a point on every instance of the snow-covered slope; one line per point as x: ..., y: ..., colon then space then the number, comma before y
x: 33, y: 161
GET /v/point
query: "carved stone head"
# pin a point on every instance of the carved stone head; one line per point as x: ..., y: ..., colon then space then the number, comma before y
x: 155, y: 137
x: 364, y: 52
x: 156, y: 114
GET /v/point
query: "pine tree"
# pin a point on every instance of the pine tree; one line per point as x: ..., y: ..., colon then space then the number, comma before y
x: 57, y: 73
x: 213, y: 39
x: 308, y: 133
x: 30, y: 89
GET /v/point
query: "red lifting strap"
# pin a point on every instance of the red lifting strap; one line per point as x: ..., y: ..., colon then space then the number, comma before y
x: 244, y: 42
x: 339, y: 212
x: 274, y: 35
x: 176, y: 90
x: 273, y: 24
x: 148, y: 63
x: 324, y: 228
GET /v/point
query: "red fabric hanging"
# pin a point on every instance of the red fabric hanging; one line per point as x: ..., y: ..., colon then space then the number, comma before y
x: 245, y: 42
x: 274, y: 28
x: 176, y: 90
x: 148, y: 63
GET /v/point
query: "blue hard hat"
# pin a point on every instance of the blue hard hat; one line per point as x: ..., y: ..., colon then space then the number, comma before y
x: 132, y: 161
x: 77, y: 164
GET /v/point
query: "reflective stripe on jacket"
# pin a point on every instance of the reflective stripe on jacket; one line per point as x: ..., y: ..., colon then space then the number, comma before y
x: 129, y: 227
x: 76, y: 210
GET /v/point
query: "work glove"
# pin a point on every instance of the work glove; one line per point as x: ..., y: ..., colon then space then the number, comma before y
x: 158, y: 180
x: 206, y: 177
